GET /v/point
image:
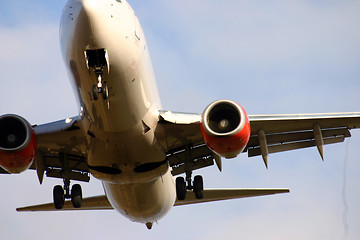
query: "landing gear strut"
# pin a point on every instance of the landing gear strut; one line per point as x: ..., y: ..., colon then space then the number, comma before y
x: 60, y: 194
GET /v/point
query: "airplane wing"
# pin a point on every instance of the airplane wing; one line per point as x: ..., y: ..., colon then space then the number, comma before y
x: 91, y: 203
x: 61, y: 150
x: 180, y: 132
x: 62, y: 144
x: 295, y: 131
x: 210, y: 195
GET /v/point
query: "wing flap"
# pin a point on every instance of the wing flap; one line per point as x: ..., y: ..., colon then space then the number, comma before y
x: 298, y: 136
x: 211, y: 195
x: 294, y: 131
x: 201, y: 156
x: 91, y: 203
x: 299, y: 122
x: 292, y: 146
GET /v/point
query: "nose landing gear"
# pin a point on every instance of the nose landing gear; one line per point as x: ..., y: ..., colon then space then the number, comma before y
x: 100, y: 88
x: 97, y: 59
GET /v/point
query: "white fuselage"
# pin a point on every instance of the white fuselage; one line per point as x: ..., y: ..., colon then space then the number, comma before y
x: 122, y: 148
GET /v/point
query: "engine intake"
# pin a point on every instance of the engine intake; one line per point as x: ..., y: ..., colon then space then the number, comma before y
x: 17, y: 143
x: 225, y: 128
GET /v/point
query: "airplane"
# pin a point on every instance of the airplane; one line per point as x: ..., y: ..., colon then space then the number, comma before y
x: 123, y: 138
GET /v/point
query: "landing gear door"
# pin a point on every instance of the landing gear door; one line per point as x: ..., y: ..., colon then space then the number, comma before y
x: 98, y: 59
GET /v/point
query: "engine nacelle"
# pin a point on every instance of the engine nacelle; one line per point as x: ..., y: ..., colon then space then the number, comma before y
x: 17, y: 143
x: 225, y: 128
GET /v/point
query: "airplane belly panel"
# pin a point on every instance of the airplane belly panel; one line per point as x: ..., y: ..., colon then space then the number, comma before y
x: 143, y: 202
x: 126, y: 157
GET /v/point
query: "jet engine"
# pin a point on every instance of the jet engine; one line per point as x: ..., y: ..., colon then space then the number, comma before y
x: 225, y: 128
x: 17, y: 144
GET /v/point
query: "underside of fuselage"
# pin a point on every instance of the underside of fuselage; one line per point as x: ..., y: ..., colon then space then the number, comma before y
x: 105, y: 50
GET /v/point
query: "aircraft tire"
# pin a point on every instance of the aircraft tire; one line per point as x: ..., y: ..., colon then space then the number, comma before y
x: 105, y: 91
x: 59, y: 199
x: 198, y: 185
x: 180, y: 188
x: 95, y: 92
x: 76, y: 195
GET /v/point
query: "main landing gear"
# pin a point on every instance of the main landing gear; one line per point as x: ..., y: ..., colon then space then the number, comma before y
x: 197, y: 187
x: 182, y: 186
x: 60, y: 194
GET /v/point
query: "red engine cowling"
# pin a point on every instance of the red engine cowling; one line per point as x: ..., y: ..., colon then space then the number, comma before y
x: 225, y: 128
x: 17, y: 144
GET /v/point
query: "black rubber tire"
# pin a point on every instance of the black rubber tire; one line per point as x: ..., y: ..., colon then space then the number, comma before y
x: 198, y: 185
x: 76, y: 195
x: 58, y: 196
x: 105, y: 91
x: 180, y: 188
x: 95, y: 92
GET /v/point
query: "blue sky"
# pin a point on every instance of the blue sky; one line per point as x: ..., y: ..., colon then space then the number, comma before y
x: 271, y: 57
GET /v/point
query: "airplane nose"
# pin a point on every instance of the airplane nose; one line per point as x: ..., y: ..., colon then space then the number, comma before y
x: 90, y: 17
x: 90, y: 7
